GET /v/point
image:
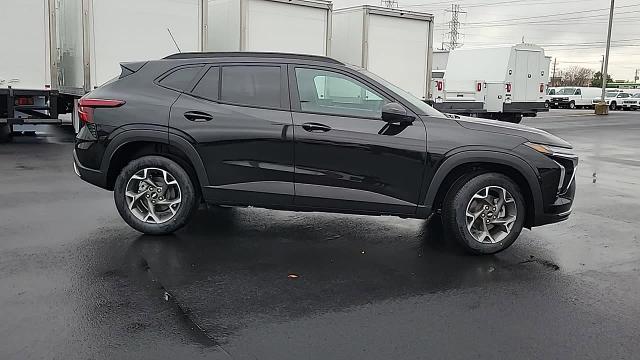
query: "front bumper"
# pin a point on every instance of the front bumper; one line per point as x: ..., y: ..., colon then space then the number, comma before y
x: 558, y: 210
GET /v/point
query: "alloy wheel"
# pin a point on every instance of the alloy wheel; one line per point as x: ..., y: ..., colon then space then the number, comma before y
x: 491, y: 214
x: 153, y: 195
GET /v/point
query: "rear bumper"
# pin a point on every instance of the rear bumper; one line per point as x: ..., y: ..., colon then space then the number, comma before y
x: 525, y: 107
x: 92, y: 176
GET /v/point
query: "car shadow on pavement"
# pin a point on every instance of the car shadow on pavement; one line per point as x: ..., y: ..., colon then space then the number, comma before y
x: 232, y: 267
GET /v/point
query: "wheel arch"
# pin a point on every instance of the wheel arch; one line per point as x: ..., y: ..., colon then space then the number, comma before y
x: 132, y: 144
x: 486, y: 161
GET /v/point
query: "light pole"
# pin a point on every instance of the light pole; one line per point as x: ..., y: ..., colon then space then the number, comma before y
x: 606, y: 56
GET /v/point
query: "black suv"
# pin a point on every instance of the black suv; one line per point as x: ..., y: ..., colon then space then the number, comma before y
x: 310, y: 133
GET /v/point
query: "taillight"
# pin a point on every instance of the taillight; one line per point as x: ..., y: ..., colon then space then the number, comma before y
x: 86, y: 106
x: 479, y: 87
x: 508, y: 87
x: 541, y: 88
x: 21, y: 101
x: 440, y: 85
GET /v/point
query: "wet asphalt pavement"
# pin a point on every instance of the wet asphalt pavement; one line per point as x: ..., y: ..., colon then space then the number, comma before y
x: 77, y: 283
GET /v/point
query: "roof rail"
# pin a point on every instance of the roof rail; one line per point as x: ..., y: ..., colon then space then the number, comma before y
x: 249, y: 54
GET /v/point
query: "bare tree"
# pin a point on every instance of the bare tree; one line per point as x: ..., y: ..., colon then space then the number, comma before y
x: 576, y: 76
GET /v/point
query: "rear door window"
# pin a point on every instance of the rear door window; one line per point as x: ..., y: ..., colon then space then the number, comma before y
x: 252, y: 85
x: 181, y: 78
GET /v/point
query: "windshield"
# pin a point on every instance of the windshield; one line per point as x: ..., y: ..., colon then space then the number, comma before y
x: 421, y: 105
x: 552, y: 92
x: 611, y: 94
x: 566, y: 91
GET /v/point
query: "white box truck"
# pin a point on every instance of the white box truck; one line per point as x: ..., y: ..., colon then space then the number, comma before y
x: 503, y: 83
x: 291, y: 26
x: 27, y: 65
x: 392, y: 43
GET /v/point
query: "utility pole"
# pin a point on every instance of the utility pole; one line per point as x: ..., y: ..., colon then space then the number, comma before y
x: 605, y: 66
x: 636, y: 78
x: 454, y: 27
x: 553, y: 77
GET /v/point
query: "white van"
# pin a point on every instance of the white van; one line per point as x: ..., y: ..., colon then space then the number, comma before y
x: 573, y: 97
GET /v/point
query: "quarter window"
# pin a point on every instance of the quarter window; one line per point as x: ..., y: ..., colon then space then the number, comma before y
x: 251, y: 85
x: 329, y: 92
x: 208, y: 85
x: 181, y: 78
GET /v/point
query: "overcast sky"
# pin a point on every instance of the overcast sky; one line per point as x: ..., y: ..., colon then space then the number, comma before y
x: 572, y: 31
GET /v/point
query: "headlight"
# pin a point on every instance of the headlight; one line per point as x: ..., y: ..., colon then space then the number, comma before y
x: 550, y: 150
x: 567, y: 161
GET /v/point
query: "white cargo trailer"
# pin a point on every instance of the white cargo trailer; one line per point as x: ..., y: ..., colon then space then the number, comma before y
x: 95, y: 36
x: 291, y: 26
x: 392, y: 43
x: 505, y: 82
x: 26, y: 64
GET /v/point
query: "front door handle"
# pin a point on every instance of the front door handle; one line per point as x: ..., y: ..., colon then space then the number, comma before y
x: 197, y: 116
x: 315, y: 127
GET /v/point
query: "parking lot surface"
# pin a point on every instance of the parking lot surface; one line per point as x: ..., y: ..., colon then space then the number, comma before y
x: 77, y: 282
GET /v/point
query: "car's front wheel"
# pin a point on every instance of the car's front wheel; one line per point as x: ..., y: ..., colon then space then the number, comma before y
x: 155, y: 195
x: 484, y: 212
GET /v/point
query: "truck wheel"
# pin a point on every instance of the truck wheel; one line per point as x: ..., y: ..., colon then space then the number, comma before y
x: 5, y: 133
x: 572, y: 105
x: 510, y: 117
x: 484, y: 212
x: 155, y: 195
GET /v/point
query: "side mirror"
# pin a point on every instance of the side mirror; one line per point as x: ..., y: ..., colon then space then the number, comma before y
x: 395, y: 113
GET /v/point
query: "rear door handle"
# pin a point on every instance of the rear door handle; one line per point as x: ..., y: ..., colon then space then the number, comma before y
x: 197, y: 116
x: 315, y: 127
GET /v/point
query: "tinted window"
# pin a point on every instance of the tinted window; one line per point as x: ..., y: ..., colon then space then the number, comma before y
x: 623, y: 95
x: 181, y: 78
x: 328, y: 92
x: 578, y: 92
x: 251, y: 85
x: 208, y: 86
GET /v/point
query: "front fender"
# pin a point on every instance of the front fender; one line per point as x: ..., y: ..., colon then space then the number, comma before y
x: 488, y: 157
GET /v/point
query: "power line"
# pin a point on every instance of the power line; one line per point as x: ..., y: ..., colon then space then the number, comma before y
x: 555, y: 15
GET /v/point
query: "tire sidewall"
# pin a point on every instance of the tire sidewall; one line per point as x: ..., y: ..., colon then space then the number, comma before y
x: 188, y: 195
x: 461, y: 201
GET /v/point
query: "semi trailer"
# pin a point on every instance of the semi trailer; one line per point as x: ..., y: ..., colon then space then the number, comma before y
x: 392, y: 43
x: 289, y: 26
x: 503, y: 83
x: 27, y: 66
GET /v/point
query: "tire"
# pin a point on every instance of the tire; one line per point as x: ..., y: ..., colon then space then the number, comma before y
x: 572, y: 105
x: 5, y: 133
x: 457, y: 202
x: 612, y: 106
x: 180, y: 186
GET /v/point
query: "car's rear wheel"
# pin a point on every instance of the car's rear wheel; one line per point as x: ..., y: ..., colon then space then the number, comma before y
x: 612, y: 106
x: 155, y: 195
x: 484, y: 212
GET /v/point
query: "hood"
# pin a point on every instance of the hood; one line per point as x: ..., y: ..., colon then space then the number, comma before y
x: 500, y: 127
